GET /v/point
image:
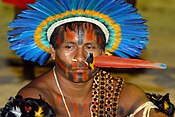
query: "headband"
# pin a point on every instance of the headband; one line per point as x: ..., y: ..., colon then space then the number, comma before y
x: 124, y: 28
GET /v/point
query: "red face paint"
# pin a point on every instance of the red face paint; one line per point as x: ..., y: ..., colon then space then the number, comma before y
x: 69, y: 35
x: 72, y: 52
x: 61, y: 65
x: 100, y: 40
x: 59, y: 42
x: 89, y: 35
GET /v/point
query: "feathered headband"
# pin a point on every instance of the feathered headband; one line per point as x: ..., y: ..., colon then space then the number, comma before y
x: 124, y: 29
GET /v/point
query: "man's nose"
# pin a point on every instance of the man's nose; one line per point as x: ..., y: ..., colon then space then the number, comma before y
x: 80, y: 56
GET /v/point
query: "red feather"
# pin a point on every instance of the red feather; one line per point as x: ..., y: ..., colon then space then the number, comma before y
x: 117, y: 62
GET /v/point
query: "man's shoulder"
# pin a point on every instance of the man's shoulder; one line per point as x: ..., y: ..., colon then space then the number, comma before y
x: 132, y: 90
x: 39, y: 86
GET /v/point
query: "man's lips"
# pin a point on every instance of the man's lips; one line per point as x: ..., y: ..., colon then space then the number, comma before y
x: 79, y: 70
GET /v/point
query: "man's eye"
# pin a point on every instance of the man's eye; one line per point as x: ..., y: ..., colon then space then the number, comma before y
x: 69, y: 47
x: 89, y: 47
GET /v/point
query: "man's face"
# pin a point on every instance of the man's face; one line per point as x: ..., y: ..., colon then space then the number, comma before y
x: 73, y: 48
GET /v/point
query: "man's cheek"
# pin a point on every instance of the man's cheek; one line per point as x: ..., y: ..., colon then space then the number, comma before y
x: 62, y: 65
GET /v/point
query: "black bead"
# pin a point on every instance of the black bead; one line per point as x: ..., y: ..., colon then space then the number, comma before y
x: 108, y: 109
x: 109, y: 88
x: 101, y: 101
x: 102, y: 83
x: 114, y: 104
x: 102, y: 92
x: 114, y: 109
x: 101, y: 106
x: 94, y: 106
x: 120, y: 82
x: 117, y: 90
x: 95, y: 99
x: 96, y: 85
x: 115, y: 99
x: 101, y: 112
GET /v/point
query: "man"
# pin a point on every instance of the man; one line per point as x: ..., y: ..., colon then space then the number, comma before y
x: 73, y: 87
x: 70, y: 45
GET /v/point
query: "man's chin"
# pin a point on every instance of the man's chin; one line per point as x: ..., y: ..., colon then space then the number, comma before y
x: 81, y: 76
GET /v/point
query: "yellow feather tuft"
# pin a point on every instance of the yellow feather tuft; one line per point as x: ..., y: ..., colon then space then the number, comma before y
x: 39, y: 112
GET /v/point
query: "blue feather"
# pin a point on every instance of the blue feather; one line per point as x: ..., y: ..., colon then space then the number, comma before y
x: 50, y: 6
x: 44, y: 8
x: 40, y: 9
x: 124, y: 11
x: 66, y: 4
x: 85, y: 4
x: 19, y: 30
x: 24, y: 23
x: 108, y: 5
x: 76, y: 4
x: 119, y: 9
x: 21, y: 43
x: 134, y: 33
x: 22, y: 51
x: 129, y: 52
x: 23, y: 35
x: 123, y: 17
x: 36, y: 13
x: 35, y: 52
x: 43, y: 58
x: 135, y: 44
x: 30, y: 16
x: 135, y: 21
x: 57, y: 5
x: 121, y: 54
x: 94, y: 4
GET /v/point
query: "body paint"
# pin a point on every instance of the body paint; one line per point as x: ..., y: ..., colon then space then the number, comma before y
x: 80, y: 37
x: 89, y: 35
x: 80, y: 76
x: 70, y: 35
x: 60, y: 39
x: 75, y: 108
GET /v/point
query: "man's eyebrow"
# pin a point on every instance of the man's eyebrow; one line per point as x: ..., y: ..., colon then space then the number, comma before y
x: 69, y: 41
x: 90, y: 43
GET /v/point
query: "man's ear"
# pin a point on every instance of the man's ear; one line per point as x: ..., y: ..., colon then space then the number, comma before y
x: 52, y: 52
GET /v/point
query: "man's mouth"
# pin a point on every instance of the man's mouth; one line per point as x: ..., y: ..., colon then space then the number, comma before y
x: 78, y: 70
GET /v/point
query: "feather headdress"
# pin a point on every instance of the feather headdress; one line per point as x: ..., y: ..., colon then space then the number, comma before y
x: 124, y: 29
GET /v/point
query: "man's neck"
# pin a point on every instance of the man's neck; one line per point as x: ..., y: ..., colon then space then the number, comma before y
x: 76, y: 92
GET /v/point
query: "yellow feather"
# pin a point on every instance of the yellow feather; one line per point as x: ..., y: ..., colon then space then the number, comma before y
x: 39, y: 112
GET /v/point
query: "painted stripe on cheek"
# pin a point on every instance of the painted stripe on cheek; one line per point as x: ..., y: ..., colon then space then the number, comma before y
x: 61, y: 65
x: 75, y: 77
x: 85, y: 76
x: 80, y: 77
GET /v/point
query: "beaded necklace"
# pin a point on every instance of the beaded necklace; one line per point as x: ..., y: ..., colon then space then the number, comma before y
x: 105, y: 95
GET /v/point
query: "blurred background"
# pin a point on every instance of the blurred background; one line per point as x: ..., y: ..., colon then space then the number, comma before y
x: 161, y: 17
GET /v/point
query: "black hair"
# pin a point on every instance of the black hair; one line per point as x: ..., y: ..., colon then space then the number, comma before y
x: 77, y: 25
